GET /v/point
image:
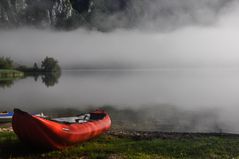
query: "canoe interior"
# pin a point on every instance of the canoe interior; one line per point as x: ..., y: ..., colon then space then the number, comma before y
x: 80, y: 118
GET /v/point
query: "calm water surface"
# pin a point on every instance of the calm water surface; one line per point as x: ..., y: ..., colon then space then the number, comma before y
x: 192, y: 100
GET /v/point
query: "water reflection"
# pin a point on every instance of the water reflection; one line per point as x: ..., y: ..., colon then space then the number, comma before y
x: 49, y: 79
x: 6, y: 83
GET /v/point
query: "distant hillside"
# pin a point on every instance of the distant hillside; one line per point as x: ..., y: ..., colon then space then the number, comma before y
x: 106, y: 15
x: 61, y: 14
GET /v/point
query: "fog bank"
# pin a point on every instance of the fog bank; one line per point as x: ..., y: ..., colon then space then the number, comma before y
x: 214, y: 45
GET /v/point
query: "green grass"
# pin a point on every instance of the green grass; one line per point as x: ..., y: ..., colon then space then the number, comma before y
x: 108, y: 146
x: 9, y: 74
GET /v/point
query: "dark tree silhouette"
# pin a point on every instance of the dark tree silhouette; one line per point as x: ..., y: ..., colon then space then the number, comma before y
x: 49, y: 64
x: 50, y: 79
x: 35, y: 67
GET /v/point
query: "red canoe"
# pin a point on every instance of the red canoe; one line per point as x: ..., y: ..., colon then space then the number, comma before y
x: 58, y: 133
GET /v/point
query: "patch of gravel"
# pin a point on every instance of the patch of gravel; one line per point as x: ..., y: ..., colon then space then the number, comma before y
x: 141, y: 135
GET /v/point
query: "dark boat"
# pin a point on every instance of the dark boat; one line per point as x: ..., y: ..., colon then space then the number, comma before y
x: 59, y: 133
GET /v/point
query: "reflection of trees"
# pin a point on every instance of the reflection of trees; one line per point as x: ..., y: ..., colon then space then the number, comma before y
x: 50, y: 79
x: 34, y: 75
x: 6, y: 83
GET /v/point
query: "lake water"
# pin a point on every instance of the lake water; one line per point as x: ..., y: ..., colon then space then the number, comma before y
x: 191, y: 100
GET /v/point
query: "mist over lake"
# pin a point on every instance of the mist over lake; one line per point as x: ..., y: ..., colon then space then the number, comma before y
x: 185, y: 34
x: 198, y: 100
x: 155, y: 65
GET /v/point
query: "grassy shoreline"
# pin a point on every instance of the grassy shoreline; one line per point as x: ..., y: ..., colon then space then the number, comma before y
x: 118, y: 144
x: 10, y: 74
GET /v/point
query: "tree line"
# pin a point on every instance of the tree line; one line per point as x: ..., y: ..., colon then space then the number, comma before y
x: 48, y: 64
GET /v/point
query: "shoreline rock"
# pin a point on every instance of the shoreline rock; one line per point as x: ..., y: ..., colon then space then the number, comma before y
x: 6, y: 129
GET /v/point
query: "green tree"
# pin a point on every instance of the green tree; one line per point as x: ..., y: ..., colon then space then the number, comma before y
x: 49, y: 64
x: 6, y: 63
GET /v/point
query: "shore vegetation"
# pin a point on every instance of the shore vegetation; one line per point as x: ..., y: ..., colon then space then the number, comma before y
x: 115, y: 146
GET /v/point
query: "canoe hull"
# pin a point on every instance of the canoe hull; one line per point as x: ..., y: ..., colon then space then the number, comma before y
x: 48, y: 134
